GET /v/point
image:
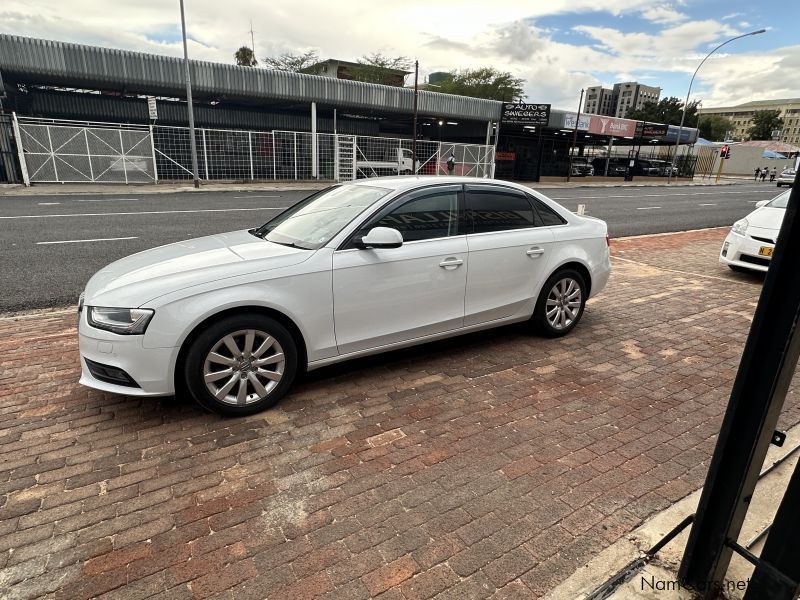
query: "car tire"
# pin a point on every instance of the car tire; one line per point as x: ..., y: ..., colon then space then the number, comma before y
x: 779, y: 184
x: 241, y: 364
x: 560, y: 304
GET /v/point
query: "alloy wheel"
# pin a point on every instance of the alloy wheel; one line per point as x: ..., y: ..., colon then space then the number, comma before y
x: 563, y: 303
x: 244, y: 367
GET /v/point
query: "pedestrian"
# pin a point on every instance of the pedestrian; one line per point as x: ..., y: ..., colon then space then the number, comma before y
x: 773, y: 174
x: 764, y: 173
x: 758, y: 172
x: 451, y: 164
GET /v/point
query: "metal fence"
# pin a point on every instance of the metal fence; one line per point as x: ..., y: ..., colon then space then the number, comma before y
x: 69, y: 151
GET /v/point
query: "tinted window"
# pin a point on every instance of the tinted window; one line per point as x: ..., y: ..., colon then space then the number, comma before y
x: 493, y: 209
x: 545, y: 215
x: 431, y: 214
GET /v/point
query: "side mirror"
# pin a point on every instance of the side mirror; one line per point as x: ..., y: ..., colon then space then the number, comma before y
x: 761, y: 203
x: 381, y: 237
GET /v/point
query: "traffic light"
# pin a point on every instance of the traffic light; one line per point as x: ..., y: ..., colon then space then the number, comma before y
x: 725, y: 151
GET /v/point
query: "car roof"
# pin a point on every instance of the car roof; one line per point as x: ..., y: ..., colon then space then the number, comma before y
x: 410, y: 182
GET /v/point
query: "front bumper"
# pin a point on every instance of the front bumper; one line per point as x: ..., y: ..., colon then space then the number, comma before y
x: 150, y: 369
x: 742, y: 251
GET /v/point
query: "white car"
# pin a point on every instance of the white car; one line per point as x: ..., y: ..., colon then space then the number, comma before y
x: 354, y: 269
x: 751, y: 241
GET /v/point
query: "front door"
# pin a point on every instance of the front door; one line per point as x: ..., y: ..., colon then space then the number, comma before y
x: 389, y: 295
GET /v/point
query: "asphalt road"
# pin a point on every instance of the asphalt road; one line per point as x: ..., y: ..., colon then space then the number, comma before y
x: 51, y: 245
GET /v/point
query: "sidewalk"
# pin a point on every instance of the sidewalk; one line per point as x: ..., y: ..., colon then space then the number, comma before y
x: 494, y: 465
x: 48, y: 189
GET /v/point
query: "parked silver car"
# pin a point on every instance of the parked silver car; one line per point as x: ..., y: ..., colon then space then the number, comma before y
x: 786, y: 177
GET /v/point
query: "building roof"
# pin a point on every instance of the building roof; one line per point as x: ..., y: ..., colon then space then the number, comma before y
x: 347, y: 63
x: 752, y: 104
x: 44, y: 62
x: 773, y: 146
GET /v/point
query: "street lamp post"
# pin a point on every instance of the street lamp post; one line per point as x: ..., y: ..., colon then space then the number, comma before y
x: 683, y: 112
x: 192, y: 142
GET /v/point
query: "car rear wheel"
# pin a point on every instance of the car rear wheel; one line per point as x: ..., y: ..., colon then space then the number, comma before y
x: 241, y: 365
x: 561, y: 303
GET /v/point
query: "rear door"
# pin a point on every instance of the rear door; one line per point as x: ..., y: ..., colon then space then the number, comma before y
x: 508, y: 253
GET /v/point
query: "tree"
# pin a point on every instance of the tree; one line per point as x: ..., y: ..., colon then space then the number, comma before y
x: 714, y: 127
x: 667, y: 111
x: 764, y: 123
x: 296, y: 63
x: 244, y: 57
x: 486, y: 82
x: 377, y: 68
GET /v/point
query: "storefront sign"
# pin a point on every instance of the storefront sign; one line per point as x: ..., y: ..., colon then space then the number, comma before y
x: 651, y: 130
x: 505, y: 156
x: 569, y: 121
x: 525, y: 114
x: 612, y: 126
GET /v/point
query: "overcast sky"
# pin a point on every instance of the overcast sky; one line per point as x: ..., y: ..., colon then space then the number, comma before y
x: 556, y: 46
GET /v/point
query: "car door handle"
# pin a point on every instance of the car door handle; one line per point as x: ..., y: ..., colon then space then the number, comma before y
x: 535, y: 251
x: 451, y: 263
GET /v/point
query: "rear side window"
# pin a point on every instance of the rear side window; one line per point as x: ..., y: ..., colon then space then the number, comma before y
x: 497, y: 209
x: 544, y: 215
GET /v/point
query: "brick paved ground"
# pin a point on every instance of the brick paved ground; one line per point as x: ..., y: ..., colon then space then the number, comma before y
x: 488, y: 466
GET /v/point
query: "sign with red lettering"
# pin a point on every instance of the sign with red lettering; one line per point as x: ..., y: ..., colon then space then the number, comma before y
x: 505, y: 156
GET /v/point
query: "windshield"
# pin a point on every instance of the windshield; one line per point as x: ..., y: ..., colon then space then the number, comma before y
x: 311, y: 223
x: 780, y: 201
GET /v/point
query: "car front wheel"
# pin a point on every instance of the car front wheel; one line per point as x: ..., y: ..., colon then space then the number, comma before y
x: 560, y: 304
x: 241, y: 365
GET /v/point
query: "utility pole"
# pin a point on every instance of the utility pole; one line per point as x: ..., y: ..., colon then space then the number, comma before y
x: 252, y: 40
x: 414, y: 133
x: 189, y: 107
x: 574, y: 136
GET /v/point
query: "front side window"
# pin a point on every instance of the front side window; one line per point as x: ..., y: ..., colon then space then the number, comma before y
x: 429, y: 214
x: 497, y: 209
x: 311, y: 223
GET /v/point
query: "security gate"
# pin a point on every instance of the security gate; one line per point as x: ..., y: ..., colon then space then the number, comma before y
x: 56, y: 153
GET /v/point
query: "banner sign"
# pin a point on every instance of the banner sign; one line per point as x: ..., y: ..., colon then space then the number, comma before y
x: 569, y: 121
x: 611, y: 126
x: 651, y: 130
x: 151, y: 107
x: 505, y: 156
x: 525, y: 114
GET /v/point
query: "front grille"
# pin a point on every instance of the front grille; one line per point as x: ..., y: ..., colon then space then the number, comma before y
x: 109, y: 374
x: 765, y: 240
x: 756, y: 260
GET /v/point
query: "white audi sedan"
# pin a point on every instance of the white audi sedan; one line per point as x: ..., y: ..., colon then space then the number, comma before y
x: 751, y: 241
x: 354, y: 269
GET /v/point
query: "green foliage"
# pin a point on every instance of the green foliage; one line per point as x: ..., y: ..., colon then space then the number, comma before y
x: 764, y: 122
x: 295, y: 63
x: 666, y: 111
x: 244, y: 57
x: 714, y: 127
x: 486, y: 82
x: 376, y: 68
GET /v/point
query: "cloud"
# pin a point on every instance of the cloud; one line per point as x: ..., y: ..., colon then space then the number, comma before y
x: 663, y: 15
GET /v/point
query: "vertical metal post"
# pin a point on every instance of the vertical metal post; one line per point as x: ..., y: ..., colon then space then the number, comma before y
x: 250, y: 152
x: 153, y: 152
x: 205, y: 154
x: 541, y: 154
x: 295, y: 155
x: 314, y: 166
x: 608, y: 156
x: 494, y: 154
x: 88, y: 154
x: 336, y: 158
x: 52, y: 154
x: 765, y: 371
x: 20, y: 151
x: 189, y: 106
x: 274, y: 163
x: 488, y: 131
x: 414, y: 126
x: 334, y: 121
x: 781, y: 549
x: 438, y: 157
x: 122, y: 154
x: 574, y: 136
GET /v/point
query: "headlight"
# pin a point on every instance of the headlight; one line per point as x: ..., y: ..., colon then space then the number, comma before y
x: 740, y: 227
x: 125, y: 321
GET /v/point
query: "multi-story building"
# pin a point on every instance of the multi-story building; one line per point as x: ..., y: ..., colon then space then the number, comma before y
x: 619, y: 100
x: 741, y: 117
x: 343, y: 69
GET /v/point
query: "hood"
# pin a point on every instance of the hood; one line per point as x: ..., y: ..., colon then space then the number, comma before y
x: 766, y: 218
x: 136, y: 279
